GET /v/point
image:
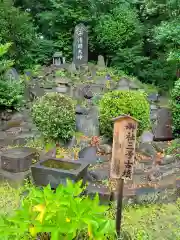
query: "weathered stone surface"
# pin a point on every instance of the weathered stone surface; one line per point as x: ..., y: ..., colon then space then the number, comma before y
x: 163, y: 127
x: 88, y: 154
x: 36, y: 91
x: 123, y: 84
x: 14, y: 179
x: 62, y: 80
x: 160, y: 146
x: 100, y: 80
x: 133, y: 85
x: 147, y: 149
x: 4, y: 139
x: 105, y: 148
x: 73, y: 170
x: 100, y: 174
x: 153, y: 112
x: 104, y: 193
x: 18, y: 159
x: 22, y: 139
x: 62, y: 89
x: 88, y: 124
x: 168, y: 159
x: 13, y: 131
x: 153, y: 97
x: 147, y: 136
x: 81, y: 110
x: 101, y: 63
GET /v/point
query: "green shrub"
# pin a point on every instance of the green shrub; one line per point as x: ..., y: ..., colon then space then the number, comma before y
x: 175, y: 104
x: 116, y: 103
x: 62, y: 214
x: 11, y: 94
x: 54, y: 116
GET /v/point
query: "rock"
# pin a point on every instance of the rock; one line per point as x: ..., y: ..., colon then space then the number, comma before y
x: 61, y: 89
x: 87, y: 92
x: 81, y: 110
x: 62, y: 80
x: 163, y: 127
x: 22, y: 139
x: 100, y: 174
x: 12, y: 74
x: 18, y: 117
x: 15, y: 180
x: 167, y: 160
x: 105, y: 148
x: 153, y: 112
x: 88, y: 124
x: 153, y: 97
x: 146, y: 195
x: 133, y: 85
x: 123, y: 84
x: 104, y: 193
x: 160, y: 146
x: 5, y: 140
x: 104, y: 140
x: 147, y: 149
x: 101, y: 63
x: 36, y: 91
x: 72, y: 142
x: 100, y: 80
x: 146, y: 137
x: 88, y: 154
x: 18, y: 159
x: 14, y: 131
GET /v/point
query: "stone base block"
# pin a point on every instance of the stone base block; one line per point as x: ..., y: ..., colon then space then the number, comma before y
x: 14, y: 179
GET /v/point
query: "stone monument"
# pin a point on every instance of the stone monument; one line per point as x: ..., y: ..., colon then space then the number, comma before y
x: 80, y: 45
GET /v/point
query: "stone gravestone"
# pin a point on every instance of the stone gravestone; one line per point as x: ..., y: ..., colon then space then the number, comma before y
x: 101, y: 63
x: 163, y: 126
x: 12, y: 74
x: 87, y: 122
x: 80, y: 45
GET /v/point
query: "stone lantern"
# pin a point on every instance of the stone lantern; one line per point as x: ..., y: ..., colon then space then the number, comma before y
x: 58, y: 59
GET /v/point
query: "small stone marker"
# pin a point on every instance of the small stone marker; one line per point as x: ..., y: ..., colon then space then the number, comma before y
x: 123, y: 152
x: 101, y: 63
x: 80, y: 45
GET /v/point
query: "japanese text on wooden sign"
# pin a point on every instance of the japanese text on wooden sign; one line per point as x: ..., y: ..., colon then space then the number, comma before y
x: 123, y: 152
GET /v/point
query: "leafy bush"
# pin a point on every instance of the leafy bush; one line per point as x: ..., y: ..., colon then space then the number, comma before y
x: 54, y: 116
x: 4, y: 64
x: 62, y: 215
x: 11, y: 94
x: 116, y: 103
x: 175, y: 103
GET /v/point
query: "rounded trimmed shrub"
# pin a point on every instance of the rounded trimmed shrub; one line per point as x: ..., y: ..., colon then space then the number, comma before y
x: 175, y: 104
x: 54, y: 116
x: 116, y: 103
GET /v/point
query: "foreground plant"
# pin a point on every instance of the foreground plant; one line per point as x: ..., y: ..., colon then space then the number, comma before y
x: 59, y: 215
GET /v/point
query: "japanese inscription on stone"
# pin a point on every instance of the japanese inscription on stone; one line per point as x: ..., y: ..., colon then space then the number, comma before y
x: 80, y: 46
x: 123, y: 152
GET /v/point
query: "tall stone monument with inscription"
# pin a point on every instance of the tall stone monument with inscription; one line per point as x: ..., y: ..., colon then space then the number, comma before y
x: 80, y: 45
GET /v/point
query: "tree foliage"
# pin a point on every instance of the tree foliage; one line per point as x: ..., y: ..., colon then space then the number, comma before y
x: 140, y: 37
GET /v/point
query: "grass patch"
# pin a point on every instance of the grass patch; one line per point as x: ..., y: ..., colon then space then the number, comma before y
x: 9, y: 198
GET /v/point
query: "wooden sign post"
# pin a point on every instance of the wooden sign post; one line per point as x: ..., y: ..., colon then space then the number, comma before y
x: 124, y: 142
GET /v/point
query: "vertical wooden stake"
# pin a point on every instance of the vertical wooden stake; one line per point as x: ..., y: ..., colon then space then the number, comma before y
x: 119, y: 206
x: 123, y: 151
